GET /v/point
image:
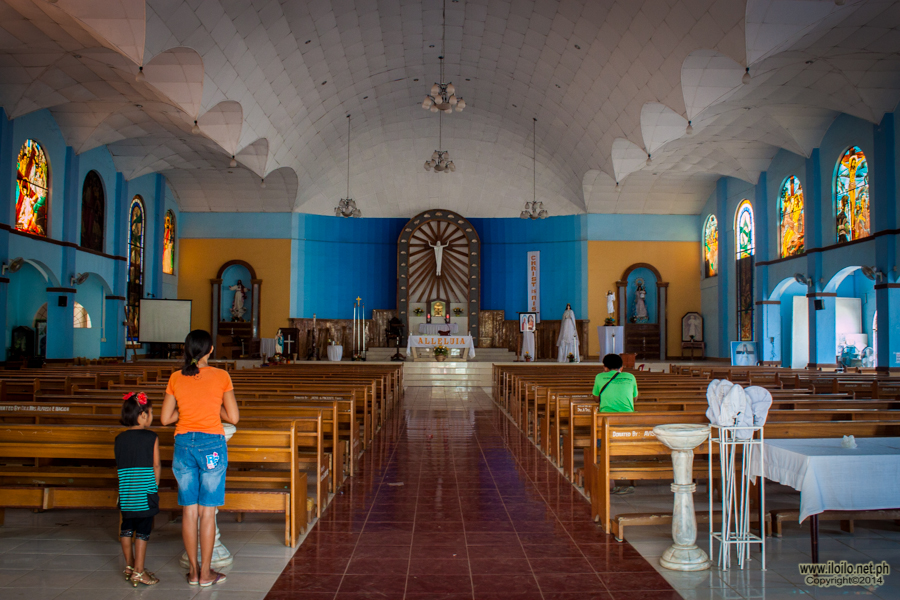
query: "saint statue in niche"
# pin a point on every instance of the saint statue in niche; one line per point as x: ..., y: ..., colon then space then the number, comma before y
x: 438, y: 257
x: 240, y: 297
x: 640, y: 303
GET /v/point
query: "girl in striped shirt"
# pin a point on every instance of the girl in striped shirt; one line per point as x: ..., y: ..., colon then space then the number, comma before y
x: 137, y: 459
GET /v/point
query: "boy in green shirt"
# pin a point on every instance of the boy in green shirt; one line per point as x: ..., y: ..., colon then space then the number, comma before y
x: 615, y: 390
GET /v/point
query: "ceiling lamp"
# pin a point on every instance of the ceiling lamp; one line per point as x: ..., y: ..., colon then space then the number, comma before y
x: 442, y: 96
x: 440, y: 159
x: 347, y: 206
x: 534, y: 209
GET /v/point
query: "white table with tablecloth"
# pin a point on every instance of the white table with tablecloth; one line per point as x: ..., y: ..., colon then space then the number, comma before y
x: 830, y: 477
x: 267, y: 347
x: 463, y: 343
x: 435, y: 328
x: 527, y: 345
x: 612, y: 339
x: 334, y: 352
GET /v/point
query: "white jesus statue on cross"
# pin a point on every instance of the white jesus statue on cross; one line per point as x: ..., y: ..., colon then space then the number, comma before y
x: 438, y: 254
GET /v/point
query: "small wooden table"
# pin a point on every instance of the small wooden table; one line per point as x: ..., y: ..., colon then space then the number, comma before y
x: 690, y: 347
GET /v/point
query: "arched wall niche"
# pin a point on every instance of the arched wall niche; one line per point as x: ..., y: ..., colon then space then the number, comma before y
x: 220, y: 319
x: 416, y: 268
x: 642, y: 338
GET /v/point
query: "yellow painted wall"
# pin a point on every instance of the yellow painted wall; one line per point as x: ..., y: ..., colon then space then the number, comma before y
x: 677, y: 262
x: 199, y: 261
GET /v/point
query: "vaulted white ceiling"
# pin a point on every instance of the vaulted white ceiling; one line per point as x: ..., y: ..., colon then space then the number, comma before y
x: 609, y: 81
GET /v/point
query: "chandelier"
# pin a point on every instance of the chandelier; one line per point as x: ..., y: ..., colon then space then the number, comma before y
x: 442, y: 96
x: 347, y: 206
x: 534, y: 209
x: 440, y: 159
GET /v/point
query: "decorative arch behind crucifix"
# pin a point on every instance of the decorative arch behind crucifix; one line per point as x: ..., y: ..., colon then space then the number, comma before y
x: 460, y: 257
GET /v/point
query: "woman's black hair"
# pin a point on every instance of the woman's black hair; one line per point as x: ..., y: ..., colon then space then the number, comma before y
x: 197, y: 344
x: 132, y: 409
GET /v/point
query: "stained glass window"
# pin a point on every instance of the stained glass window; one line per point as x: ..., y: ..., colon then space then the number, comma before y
x: 851, y: 195
x: 711, y: 246
x: 93, y: 205
x: 744, y: 250
x: 743, y: 229
x: 790, y: 217
x: 135, y: 265
x: 169, y: 244
x: 32, y: 189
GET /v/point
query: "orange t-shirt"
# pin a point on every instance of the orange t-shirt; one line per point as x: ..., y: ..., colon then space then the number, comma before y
x: 199, y: 400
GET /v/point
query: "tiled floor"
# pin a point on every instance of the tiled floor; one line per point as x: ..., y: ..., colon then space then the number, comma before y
x: 454, y: 503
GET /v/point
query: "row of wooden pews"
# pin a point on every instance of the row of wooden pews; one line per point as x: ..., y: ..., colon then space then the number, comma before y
x: 553, y: 405
x: 300, y: 423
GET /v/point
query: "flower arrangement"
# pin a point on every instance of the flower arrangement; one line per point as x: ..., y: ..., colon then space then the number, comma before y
x: 608, y: 321
x: 527, y: 357
x: 418, y: 312
x: 458, y: 311
x: 441, y: 350
x: 571, y: 357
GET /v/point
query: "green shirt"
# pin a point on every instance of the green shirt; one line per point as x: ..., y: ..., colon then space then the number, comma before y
x: 619, y: 395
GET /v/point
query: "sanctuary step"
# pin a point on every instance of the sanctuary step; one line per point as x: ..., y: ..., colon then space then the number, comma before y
x: 482, y: 355
x: 447, y: 374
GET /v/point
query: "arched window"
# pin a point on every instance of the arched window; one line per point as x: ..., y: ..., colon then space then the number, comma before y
x: 135, y: 265
x: 32, y: 189
x: 168, y: 265
x: 80, y: 319
x: 851, y: 195
x: 93, y: 206
x: 790, y: 217
x: 711, y: 246
x: 744, y: 249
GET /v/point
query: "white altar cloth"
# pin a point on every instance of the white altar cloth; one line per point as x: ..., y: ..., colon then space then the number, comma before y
x: 449, y: 341
x: 335, y: 352
x: 830, y: 477
x: 434, y: 328
x: 612, y: 339
x: 267, y: 347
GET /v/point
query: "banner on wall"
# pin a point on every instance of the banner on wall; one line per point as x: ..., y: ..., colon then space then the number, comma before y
x: 534, y: 283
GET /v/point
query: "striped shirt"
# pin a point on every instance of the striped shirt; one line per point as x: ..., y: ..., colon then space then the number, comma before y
x: 138, y: 493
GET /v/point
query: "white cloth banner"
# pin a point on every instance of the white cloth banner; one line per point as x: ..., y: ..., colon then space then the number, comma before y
x: 528, y: 345
x: 434, y: 328
x: 448, y: 341
x: 830, y: 477
x: 534, y: 283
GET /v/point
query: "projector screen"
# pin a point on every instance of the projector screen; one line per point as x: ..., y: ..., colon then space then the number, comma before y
x: 164, y: 321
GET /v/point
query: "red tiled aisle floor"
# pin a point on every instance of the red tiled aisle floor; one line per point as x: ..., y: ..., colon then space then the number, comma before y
x: 452, y: 502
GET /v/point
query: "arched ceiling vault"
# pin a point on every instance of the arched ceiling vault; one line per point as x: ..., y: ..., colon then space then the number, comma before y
x: 609, y: 81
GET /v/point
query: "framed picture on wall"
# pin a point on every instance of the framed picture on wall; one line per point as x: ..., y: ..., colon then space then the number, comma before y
x: 527, y: 322
x: 744, y: 354
x: 692, y: 327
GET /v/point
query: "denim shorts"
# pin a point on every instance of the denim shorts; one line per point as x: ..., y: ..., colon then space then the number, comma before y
x: 199, y: 462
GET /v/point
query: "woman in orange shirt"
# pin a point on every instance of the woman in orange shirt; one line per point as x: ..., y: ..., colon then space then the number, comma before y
x: 198, y: 398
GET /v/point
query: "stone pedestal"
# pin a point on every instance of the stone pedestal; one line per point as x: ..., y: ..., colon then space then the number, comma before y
x: 221, y: 557
x: 683, y: 555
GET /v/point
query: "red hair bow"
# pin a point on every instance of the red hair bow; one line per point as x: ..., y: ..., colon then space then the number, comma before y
x: 142, y: 398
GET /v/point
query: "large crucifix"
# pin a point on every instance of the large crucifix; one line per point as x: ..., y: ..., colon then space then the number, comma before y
x: 438, y: 254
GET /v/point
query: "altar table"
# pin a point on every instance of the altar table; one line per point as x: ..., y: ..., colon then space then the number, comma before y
x: 460, y: 342
x: 267, y: 347
x: 830, y: 477
x: 434, y: 328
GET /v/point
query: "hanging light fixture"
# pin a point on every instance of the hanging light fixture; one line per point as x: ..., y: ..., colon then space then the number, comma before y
x: 440, y: 159
x: 534, y: 209
x: 442, y: 96
x: 347, y: 206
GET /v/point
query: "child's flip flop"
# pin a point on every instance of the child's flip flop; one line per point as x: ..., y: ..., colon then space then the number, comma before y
x: 188, y: 577
x: 220, y: 578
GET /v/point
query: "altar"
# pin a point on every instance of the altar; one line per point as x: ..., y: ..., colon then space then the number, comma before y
x: 421, y: 347
x: 435, y: 328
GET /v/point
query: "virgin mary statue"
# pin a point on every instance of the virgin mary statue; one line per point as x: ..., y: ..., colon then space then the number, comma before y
x: 568, y: 337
